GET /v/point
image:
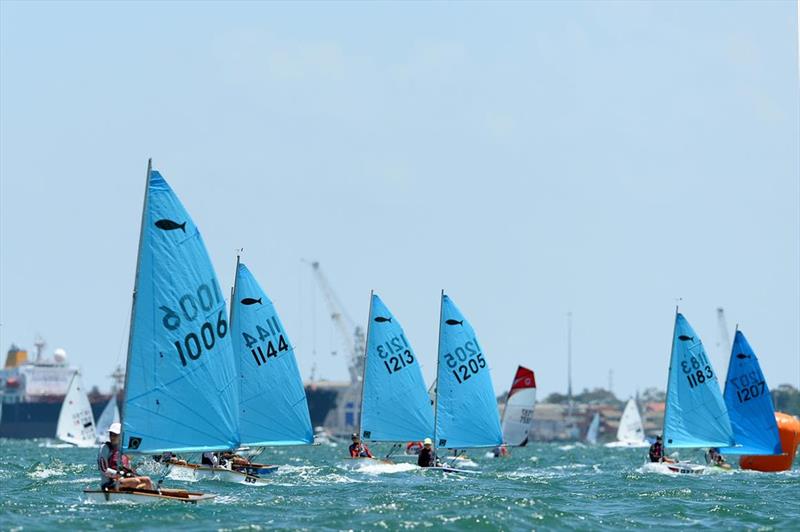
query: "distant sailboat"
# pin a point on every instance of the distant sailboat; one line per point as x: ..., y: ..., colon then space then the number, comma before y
x: 466, y: 407
x: 395, y: 405
x: 76, y: 420
x: 695, y: 415
x: 181, y: 379
x: 517, y: 417
x: 749, y: 403
x: 109, y: 415
x: 630, y: 432
x: 594, y: 428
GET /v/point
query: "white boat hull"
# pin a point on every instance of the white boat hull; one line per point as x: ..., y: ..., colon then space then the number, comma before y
x: 674, y: 468
x: 448, y: 469
x: 146, y: 496
x: 197, y: 473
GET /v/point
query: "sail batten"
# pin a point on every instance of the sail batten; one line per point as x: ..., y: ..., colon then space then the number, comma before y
x: 466, y: 406
x: 749, y: 403
x: 395, y: 405
x: 180, y: 392
x: 273, y: 405
x: 695, y: 415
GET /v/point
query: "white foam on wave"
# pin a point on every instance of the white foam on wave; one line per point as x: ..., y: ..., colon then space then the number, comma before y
x: 380, y: 468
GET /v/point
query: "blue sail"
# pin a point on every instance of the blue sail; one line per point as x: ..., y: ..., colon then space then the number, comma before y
x: 749, y: 403
x: 466, y: 406
x: 695, y: 413
x: 395, y: 404
x: 180, y: 391
x: 272, y: 400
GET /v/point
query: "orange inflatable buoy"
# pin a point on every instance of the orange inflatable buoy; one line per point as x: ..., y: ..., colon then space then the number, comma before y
x: 789, y: 430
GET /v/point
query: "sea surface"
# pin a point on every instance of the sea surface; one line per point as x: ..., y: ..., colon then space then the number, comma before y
x: 542, y: 486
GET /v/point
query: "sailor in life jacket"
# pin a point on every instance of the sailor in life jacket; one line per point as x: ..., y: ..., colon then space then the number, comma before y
x: 115, y: 469
x: 358, y: 449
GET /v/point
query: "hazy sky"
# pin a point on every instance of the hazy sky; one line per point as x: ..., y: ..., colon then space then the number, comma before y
x: 529, y: 158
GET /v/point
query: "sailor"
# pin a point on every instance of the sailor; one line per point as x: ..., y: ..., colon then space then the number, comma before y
x: 115, y: 469
x: 500, y: 451
x: 657, y: 451
x: 714, y: 458
x: 209, y: 459
x: 358, y: 449
x: 426, y: 457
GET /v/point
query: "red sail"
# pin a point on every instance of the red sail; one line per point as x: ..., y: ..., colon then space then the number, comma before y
x: 522, y: 380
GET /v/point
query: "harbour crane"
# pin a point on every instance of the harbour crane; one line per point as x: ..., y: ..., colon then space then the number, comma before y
x: 343, y: 418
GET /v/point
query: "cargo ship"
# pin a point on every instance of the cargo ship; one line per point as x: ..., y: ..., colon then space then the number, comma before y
x: 31, y: 393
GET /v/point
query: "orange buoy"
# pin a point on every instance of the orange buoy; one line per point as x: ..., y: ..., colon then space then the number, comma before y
x: 789, y: 430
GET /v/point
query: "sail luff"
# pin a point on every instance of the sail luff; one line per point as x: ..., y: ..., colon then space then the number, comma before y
x: 364, y: 367
x: 436, y: 380
x: 133, y: 296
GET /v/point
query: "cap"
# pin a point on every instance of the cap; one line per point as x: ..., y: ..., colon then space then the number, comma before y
x: 658, y: 438
x: 428, y: 441
x: 354, y: 436
x: 115, y: 428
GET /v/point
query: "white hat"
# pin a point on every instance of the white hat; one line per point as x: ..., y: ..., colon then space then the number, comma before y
x: 115, y: 428
x: 428, y: 441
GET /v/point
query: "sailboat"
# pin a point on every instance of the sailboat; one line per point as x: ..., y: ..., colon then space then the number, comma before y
x: 181, y: 378
x: 517, y: 417
x: 394, y: 402
x: 465, y: 413
x: 76, y: 420
x: 109, y: 415
x: 594, y: 428
x: 749, y: 403
x: 273, y: 410
x: 630, y: 432
x: 695, y: 416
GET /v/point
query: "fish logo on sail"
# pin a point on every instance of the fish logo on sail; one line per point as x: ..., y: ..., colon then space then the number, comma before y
x: 250, y: 301
x: 455, y: 322
x: 741, y: 356
x: 684, y: 338
x: 381, y: 319
x: 169, y: 225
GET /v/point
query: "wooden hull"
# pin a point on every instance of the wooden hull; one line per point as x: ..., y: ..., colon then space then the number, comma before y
x: 135, y: 496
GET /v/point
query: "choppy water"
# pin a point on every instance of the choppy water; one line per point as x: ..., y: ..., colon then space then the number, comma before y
x: 542, y: 486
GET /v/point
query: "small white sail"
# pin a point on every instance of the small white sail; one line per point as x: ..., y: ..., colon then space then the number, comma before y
x: 630, y: 424
x: 518, y: 412
x: 594, y: 427
x: 110, y: 415
x: 76, y: 421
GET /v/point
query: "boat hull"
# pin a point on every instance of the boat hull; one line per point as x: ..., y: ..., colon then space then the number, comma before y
x: 146, y: 496
x: 450, y: 470
x: 197, y: 473
x: 627, y: 444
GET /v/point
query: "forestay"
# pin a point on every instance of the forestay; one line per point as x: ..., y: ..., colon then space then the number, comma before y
x: 630, y: 424
x: 466, y: 407
x: 181, y: 389
x: 109, y: 415
x: 695, y: 413
x: 273, y: 406
x: 395, y: 404
x: 749, y: 403
x: 518, y: 412
x: 76, y: 420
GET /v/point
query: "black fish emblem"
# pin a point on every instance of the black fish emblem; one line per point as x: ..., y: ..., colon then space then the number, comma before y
x: 169, y: 225
x: 455, y: 322
x: 684, y: 338
x: 251, y: 301
x: 742, y: 355
x: 381, y: 319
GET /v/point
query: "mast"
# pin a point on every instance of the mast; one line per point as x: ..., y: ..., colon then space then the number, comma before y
x: 669, y: 375
x: 133, y: 302
x: 364, y: 365
x: 436, y: 381
x: 571, y: 421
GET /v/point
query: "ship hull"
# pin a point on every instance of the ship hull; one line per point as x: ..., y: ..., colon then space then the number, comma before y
x: 34, y: 420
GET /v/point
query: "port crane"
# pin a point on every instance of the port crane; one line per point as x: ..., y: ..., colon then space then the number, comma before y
x: 343, y: 419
